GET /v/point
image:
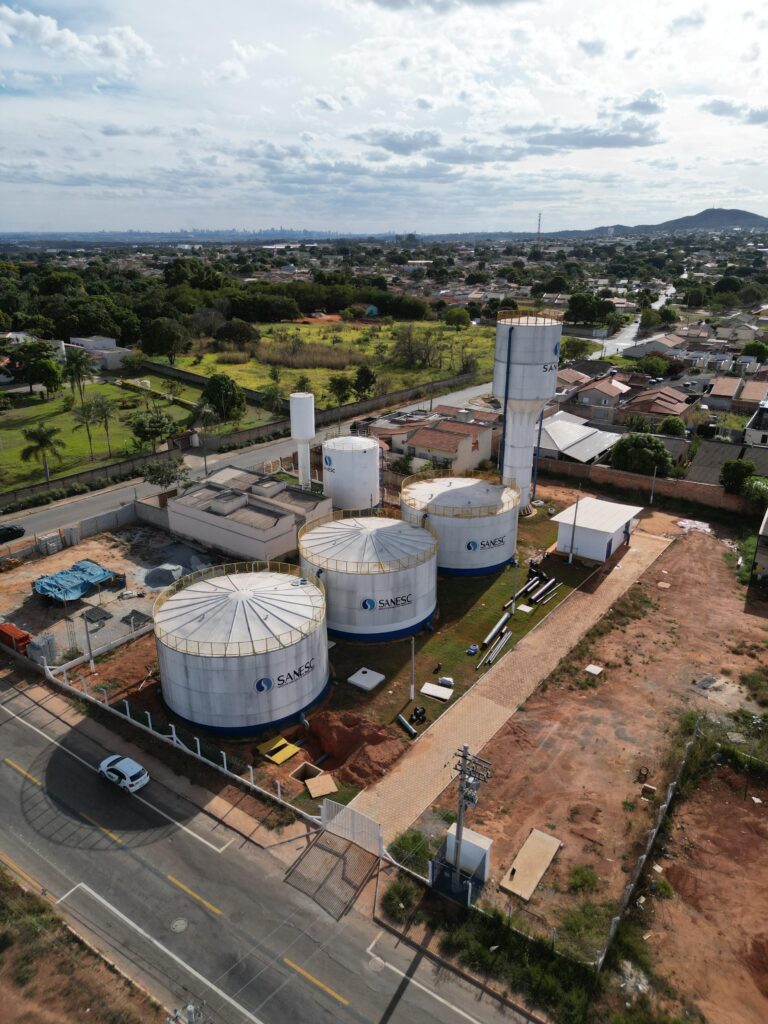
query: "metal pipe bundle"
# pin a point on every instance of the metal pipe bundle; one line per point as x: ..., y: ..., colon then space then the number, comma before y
x: 499, y: 648
x: 502, y: 622
x: 551, y: 594
x: 537, y: 596
x: 487, y: 655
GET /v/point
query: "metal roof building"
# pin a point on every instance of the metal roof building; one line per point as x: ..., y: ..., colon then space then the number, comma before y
x: 593, y: 529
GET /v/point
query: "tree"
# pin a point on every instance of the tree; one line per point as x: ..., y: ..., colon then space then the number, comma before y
x: 272, y: 397
x: 44, y: 445
x: 756, y: 488
x: 734, y: 474
x: 364, y: 382
x: 236, y: 331
x: 654, y: 366
x: 672, y: 426
x: 758, y: 349
x: 667, y: 315
x: 275, y: 373
x: 166, y: 473
x: 340, y: 388
x: 637, y: 424
x: 641, y: 453
x: 728, y: 284
x: 78, y: 369
x: 403, y: 465
x: 303, y: 383
x: 30, y: 362
x: 151, y: 427
x: 581, y: 308
x: 457, y: 317
x: 105, y: 410
x: 164, y: 337
x: 225, y: 397
x: 574, y: 348
x: 649, y: 319
x: 85, y: 418
x: 49, y: 375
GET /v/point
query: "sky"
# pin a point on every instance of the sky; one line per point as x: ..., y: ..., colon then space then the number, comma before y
x: 379, y: 115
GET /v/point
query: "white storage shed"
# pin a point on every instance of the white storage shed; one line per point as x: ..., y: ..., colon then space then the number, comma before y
x: 594, y: 529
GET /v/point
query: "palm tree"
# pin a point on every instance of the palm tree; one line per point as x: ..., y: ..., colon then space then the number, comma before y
x: 78, y: 368
x: 44, y: 444
x: 104, y: 410
x: 86, y: 416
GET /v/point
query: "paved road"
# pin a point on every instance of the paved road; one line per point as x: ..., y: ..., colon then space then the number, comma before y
x: 189, y: 908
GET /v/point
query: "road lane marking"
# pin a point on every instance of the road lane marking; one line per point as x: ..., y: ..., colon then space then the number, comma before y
x: 21, y: 771
x: 316, y: 981
x: 424, y: 988
x: 40, y: 890
x: 195, y: 896
x: 164, y: 949
x: 101, y: 828
x: 87, y: 764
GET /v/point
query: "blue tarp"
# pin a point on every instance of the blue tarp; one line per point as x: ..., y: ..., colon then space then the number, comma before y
x: 73, y: 583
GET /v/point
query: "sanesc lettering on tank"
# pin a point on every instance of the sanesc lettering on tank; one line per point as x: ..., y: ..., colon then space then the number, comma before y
x: 266, y: 684
x: 484, y: 545
x: 386, y: 602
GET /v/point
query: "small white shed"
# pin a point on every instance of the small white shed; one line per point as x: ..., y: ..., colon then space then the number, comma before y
x: 594, y: 529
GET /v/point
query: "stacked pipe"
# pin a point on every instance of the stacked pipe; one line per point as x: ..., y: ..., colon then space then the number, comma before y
x: 499, y: 647
x: 551, y: 594
x: 497, y: 628
x: 542, y: 591
x: 491, y: 652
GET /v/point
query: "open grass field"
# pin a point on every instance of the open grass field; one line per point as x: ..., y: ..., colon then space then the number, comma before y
x: 254, y: 415
x: 321, y: 350
x: 31, y: 412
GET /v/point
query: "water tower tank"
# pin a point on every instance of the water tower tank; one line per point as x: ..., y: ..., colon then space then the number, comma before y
x: 524, y: 380
x: 475, y: 521
x: 242, y: 647
x: 379, y: 574
x: 351, y: 472
x: 302, y: 406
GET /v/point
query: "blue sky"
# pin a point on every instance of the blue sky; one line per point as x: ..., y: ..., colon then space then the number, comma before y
x: 373, y: 115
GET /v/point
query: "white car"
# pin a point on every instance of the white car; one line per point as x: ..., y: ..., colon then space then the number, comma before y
x: 124, y: 772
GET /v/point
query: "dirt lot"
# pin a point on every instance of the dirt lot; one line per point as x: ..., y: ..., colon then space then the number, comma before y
x: 710, y: 941
x: 136, y: 551
x: 568, y: 763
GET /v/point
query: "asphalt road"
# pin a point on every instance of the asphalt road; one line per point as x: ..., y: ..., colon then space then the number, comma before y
x: 192, y: 910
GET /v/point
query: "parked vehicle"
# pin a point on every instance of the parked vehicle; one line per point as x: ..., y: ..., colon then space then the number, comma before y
x: 10, y: 531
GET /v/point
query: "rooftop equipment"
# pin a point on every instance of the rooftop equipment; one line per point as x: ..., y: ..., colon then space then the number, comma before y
x: 475, y: 520
x: 302, y: 406
x: 524, y: 380
x: 242, y: 646
x: 379, y: 574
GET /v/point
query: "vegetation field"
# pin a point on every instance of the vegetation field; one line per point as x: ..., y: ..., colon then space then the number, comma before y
x: 29, y: 411
x: 401, y: 355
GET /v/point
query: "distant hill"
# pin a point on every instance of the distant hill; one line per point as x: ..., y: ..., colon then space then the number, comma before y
x: 714, y: 219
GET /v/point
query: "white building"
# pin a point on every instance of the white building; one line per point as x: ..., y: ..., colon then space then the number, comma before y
x: 105, y: 351
x: 594, y: 529
x: 242, y: 513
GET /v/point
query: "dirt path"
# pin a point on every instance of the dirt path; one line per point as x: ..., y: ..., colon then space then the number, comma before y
x: 418, y: 778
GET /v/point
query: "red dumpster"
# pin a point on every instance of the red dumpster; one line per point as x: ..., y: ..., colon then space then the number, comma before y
x: 12, y: 636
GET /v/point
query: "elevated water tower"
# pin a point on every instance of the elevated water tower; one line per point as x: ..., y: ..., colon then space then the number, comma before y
x: 524, y: 380
x: 302, y: 404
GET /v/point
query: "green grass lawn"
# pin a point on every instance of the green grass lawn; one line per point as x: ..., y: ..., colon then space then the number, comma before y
x: 75, y: 457
x: 467, y: 609
x: 353, y: 345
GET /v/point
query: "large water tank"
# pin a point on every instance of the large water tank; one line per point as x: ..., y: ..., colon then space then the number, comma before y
x: 524, y: 380
x: 475, y: 521
x: 351, y: 472
x: 241, y: 647
x: 379, y: 574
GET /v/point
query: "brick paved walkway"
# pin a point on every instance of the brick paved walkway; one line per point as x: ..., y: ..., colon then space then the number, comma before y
x: 423, y: 773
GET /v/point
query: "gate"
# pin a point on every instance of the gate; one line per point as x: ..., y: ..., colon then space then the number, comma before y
x: 352, y: 825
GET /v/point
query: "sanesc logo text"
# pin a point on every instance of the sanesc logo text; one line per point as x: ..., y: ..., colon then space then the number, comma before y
x: 328, y: 464
x: 483, y: 545
x: 386, y: 602
x: 266, y: 684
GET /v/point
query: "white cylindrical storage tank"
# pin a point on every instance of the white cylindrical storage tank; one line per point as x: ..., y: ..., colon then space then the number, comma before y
x: 524, y: 380
x: 302, y: 405
x: 351, y: 472
x: 379, y: 574
x: 242, y: 647
x: 475, y: 521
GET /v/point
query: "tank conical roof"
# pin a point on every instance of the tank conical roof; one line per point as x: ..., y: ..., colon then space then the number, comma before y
x: 369, y: 544
x: 239, y: 613
x: 458, y: 496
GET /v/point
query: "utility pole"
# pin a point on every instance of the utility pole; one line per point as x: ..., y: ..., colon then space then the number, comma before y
x: 472, y: 771
x: 91, y: 664
x: 653, y: 484
x: 573, y: 531
x: 412, y: 694
x: 538, y: 230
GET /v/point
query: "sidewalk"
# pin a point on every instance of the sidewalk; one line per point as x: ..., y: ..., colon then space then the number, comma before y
x: 416, y: 781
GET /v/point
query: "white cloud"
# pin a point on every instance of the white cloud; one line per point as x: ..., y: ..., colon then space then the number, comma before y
x: 687, y: 22
x: 592, y: 47
x: 117, y: 46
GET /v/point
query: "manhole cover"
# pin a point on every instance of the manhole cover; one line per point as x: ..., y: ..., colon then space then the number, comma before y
x: 180, y: 924
x: 375, y: 964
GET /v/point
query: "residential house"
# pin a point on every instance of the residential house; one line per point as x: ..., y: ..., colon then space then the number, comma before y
x: 753, y: 394
x: 657, y: 403
x: 722, y: 393
x: 568, y: 437
x: 460, y: 446
x: 672, y: 345
x: 756, y: 431
x: 601, y: 397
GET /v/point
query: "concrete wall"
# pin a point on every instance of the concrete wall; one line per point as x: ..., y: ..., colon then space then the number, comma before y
x: 684, y: 490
